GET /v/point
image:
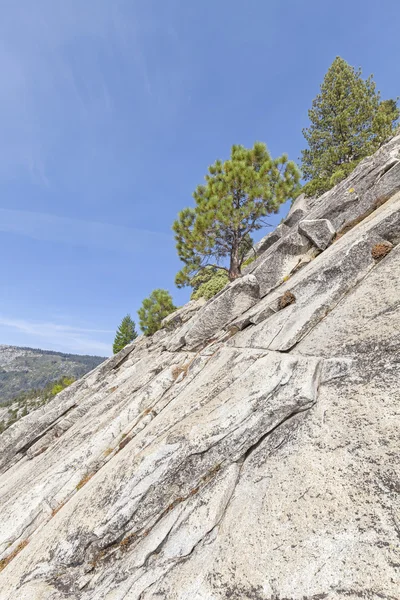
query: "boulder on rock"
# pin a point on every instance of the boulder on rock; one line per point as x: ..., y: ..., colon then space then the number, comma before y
x: 373, y: 182
x: 320, y: 232
x: 299, y: 209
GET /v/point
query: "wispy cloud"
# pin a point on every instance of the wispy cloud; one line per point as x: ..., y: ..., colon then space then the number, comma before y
x: 55, y: 62
x: 45, y: 86
x: 52, y: 228
x: 128, y: 34
x: 65, y: 337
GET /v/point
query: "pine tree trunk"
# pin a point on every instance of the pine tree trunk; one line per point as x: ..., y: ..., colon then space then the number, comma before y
x: 234, y: 268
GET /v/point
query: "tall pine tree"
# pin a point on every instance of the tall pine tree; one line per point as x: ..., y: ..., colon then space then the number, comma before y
x: 126, y: 333
x: 237, y: 196
x: 348, y: 122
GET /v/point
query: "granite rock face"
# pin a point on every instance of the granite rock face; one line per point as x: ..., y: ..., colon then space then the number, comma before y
x: 229, y: 303
x: 244, y: 452
x: 267, y: 241
x: 372, y: 183
x: 183, y: 314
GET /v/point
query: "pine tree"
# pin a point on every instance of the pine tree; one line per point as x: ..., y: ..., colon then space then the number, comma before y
x: 126, y: 333
x: 236, y: 197
x: 348, y: 123
x: 153, y: 310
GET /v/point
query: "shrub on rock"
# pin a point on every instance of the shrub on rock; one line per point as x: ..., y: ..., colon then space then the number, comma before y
x: 381, y: 250
x: 208, y: 282
x: 286, y: 299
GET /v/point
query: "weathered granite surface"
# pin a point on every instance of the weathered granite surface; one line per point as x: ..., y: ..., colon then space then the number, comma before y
x: 247, y: 453
x: 183, y: 314
x: 373, y: 182
x: 267, y: 241
x: 320, y: 232
x: 230, y: 302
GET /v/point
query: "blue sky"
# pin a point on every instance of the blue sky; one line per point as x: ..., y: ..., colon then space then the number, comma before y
x: 110, y: 113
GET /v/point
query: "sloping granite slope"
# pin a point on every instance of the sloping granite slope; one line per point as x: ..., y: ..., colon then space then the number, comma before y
x: 249, y: 450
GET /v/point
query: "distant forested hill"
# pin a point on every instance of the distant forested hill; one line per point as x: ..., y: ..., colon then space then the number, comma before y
x: 24, y: 369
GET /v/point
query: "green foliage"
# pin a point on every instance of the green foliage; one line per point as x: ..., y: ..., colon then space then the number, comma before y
x: 27, y: 401
x: 61, y: 384
x: 348, y: 123
x: 236, y: 197
x: 153, y: 310
x: 208, y: 282
x: 126, y: 333
x: 248, y: 261
x: 44, y: 394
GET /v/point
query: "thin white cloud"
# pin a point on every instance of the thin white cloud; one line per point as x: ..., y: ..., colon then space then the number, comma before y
x: 128, y: 34
x: 52, y: 228
x: 55, y: 62
x: 42, y: 83
x: 65, y: 337
x: 30, y: 327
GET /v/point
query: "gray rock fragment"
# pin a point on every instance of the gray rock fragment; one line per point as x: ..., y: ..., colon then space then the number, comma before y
x: 300, y: 209
x: 319, y: 231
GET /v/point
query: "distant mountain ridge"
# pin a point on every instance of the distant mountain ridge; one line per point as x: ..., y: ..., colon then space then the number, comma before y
x: 23, y: 369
